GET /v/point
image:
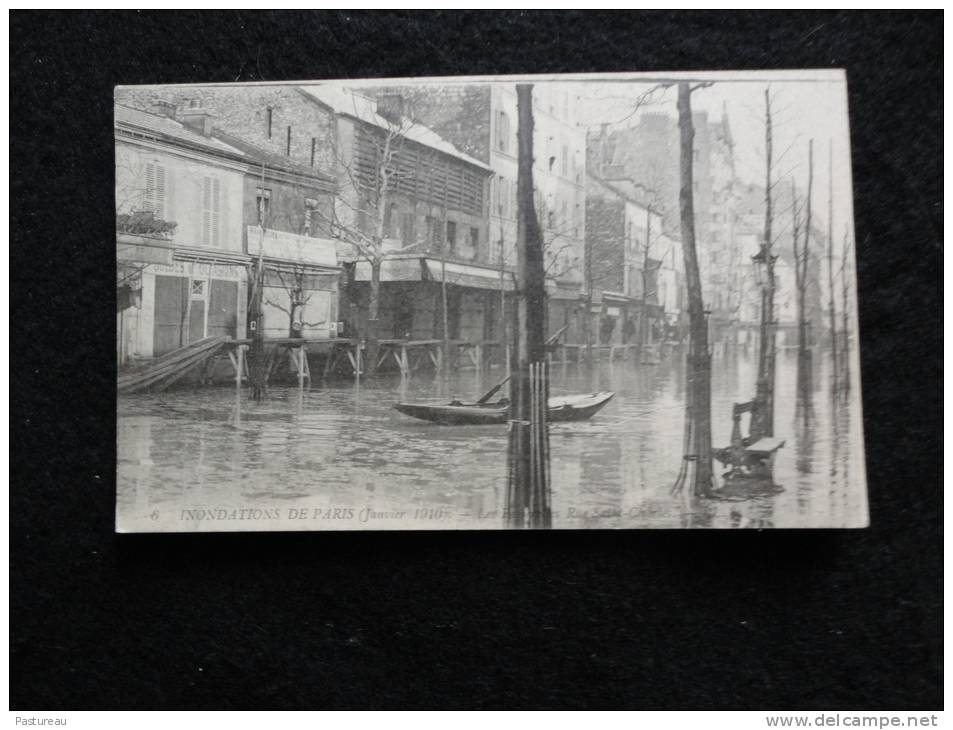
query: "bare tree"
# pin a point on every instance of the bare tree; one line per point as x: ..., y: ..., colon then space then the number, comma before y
x: 763, y: 414
x: 832, y: 313
x: 359, y: 215
x: 295, y: 285
x: 698, y: 411
x: 845, y: 331
x: 258, y: 364
x: 528, y: 496
x: 802, y: 254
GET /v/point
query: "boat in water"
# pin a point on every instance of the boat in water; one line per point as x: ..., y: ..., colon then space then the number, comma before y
x: 561, y: 409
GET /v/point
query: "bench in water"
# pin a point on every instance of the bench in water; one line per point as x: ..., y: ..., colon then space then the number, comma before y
x: 748, y: 456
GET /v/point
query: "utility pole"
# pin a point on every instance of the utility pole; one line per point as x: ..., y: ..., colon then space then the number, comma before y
x: 698, y: 426
x: 528, y: 498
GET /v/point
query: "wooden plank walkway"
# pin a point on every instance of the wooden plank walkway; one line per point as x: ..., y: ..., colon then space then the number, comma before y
x: 160, y: 373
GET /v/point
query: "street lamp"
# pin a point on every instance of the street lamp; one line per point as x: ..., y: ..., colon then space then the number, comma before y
x: 759, y: 268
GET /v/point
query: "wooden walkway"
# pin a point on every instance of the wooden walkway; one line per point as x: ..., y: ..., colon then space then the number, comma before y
x: 160, y: 373
x: 408, y: 355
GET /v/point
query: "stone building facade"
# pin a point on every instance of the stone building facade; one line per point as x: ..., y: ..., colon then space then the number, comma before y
x: 281, y: 144
x: 481, y: 120
x: 180, y: 261
x: 625, y: 247
x: 433, y: 219
x: 648, y: 152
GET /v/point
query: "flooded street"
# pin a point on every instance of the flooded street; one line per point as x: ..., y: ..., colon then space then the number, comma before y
x: 337, y: 456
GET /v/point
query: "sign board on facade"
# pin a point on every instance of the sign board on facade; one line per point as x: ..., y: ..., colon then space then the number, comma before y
x: 292, y: 247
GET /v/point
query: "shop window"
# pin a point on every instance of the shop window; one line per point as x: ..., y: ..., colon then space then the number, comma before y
x: 451, y: 237
x: 263, y: 200
x: 502, y: 132
x: 310, y: 216
x: 407, y: 228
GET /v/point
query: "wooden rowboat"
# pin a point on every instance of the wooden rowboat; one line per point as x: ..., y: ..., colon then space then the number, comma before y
x: 561, y: 409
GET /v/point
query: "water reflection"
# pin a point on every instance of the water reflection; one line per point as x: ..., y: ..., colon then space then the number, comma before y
x: 339, y: 449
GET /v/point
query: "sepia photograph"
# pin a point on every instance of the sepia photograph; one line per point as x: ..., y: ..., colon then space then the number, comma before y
x: 468, y: 360
x: 618, y: 301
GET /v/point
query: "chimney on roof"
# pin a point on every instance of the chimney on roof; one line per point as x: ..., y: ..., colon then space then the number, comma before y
x: 196, y: 118
x: 163, y: 108
x: 391, y: 107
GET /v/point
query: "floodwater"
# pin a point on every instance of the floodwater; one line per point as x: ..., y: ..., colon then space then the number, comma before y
x: 337, y: 456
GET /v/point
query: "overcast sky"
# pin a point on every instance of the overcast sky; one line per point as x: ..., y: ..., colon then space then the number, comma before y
x: 801, y: 110
x: 806, y: 104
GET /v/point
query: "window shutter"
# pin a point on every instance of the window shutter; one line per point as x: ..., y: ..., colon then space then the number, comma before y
x: 160, y: 192
x: 207, y: 211
x: 211, y: 212
x: 216, y: 212
x: 154, y: 198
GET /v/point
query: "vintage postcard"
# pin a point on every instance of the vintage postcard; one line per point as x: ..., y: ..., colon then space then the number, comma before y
x: 554, y: 302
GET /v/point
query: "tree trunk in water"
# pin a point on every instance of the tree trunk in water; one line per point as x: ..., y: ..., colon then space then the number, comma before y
x: 830, y: 263
x: 528, y: 498
x: 762, y: 418
x: 804, y: 355
x: 257, y: 362
x: 699, y: 358
x: 373, y: 312
x: 644, y: 315
x: 445, y: 356
x: 845, y: 334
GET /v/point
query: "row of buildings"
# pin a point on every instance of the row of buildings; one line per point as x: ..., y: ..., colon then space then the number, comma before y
x: 729, y: 221
x: 319, y: 182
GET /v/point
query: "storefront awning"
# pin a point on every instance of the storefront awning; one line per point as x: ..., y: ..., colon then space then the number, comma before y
x: 563, y: 291
x: 407, y: 269
x: 429, y: 269
x: 477, y: 277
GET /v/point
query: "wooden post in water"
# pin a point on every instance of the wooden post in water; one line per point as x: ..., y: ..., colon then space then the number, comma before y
x: 528, y: 498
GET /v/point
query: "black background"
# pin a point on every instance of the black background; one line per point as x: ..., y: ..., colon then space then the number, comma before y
x: 813, y: 619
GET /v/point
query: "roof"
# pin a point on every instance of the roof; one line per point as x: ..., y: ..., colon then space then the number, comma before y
x: 272, y: 160
x: 218, y: 141
x: 170, y: 128
x: 348, y: 103
x: 625, y: 188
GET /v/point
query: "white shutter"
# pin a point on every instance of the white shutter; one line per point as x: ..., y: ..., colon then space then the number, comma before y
x: 216, y: 212
x: 160, y: 192
x: 206, y: 211
x: 155, y: 194
x: 211, y: 212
